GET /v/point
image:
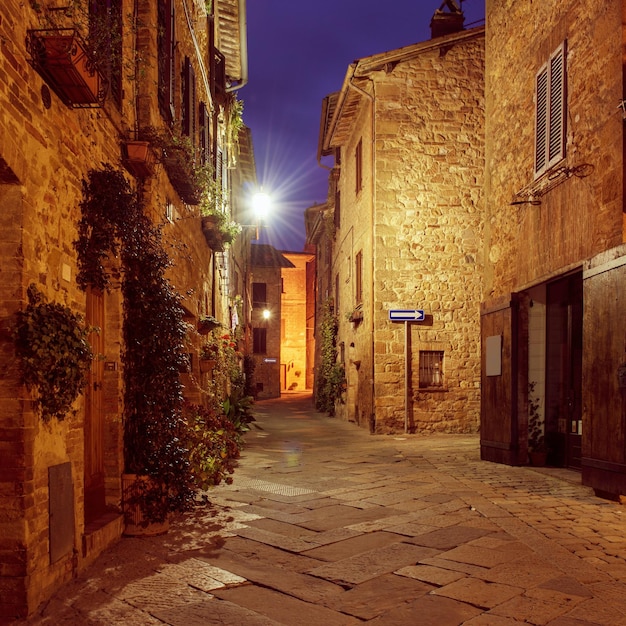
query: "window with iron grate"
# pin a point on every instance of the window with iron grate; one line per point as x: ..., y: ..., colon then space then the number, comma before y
x: 431, y: 368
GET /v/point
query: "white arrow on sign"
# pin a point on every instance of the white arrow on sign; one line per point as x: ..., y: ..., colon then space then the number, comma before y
x: 407, y: 315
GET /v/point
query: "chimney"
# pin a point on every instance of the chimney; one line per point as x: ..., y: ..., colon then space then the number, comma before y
x: 447, y: 22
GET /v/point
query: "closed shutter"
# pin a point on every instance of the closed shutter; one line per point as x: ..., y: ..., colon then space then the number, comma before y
x: 550, y: 98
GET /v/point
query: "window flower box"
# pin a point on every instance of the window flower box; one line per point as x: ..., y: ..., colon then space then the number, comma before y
x: 138, y: 158
x: 61, y: 58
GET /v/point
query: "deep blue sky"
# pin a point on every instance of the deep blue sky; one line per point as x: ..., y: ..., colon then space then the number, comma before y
x: 298, y: 53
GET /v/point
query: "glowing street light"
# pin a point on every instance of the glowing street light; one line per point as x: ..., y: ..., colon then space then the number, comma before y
x: 266, y: 314
x: 261, y: 203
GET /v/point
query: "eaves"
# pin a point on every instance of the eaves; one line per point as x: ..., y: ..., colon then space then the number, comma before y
x: 346, y: 103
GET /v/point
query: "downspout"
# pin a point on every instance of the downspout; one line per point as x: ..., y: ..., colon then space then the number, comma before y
x: 372, y: 99
x: 243, y: 45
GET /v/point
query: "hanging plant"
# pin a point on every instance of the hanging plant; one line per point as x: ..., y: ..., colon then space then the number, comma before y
x: 51, y: 342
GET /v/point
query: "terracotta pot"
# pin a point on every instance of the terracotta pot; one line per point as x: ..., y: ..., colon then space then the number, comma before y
x: 135, y: 523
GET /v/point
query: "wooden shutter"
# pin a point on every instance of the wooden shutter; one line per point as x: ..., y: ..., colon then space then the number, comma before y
x: 205, y: 146
x: 550, y: 98
x: 189, y: 100
x: 167, y: 58
x: 556, y: 137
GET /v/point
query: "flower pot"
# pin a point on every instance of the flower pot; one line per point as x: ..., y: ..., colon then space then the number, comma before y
x: 61, y: 58
x: 207, y: 365
x: 138, y: 158
x: 136, y: 525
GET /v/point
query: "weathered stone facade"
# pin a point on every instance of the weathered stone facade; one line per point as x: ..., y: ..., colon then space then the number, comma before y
x: 553, y: 235
x: 294, y: 346
x: 409, y: 231
x: 46, y: 150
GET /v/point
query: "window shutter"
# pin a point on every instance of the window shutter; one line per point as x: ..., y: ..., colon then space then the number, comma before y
x: 189, y: 100
x: 551, y: 100
x: 541, y: 124
x: 556, y: 141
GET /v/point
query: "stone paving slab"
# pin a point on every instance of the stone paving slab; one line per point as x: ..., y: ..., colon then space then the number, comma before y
x: 301, y: 586
x: 367, y: 565
x: 358, y: 528
x: 377, y: 597
x: 353, y: 546
x: 285, y: 609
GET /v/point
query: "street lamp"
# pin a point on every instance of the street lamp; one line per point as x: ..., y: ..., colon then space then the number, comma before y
x: 261, y: 204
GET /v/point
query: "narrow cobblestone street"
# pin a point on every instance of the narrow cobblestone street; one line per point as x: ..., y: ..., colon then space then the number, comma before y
x: 328, y: 525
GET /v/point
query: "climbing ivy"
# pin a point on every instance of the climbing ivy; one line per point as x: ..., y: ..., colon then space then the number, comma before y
x: 331, y: 378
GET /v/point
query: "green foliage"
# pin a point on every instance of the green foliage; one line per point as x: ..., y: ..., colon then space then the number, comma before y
x: 154, y: 333
x: 214, y: 445
x: 108, y: 203
x: 238, y: 408
x: 331, y: 379
x: 51, y: 342
x: 536, y: 437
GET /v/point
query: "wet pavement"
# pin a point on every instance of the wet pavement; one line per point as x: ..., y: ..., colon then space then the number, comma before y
x: 328, y: 525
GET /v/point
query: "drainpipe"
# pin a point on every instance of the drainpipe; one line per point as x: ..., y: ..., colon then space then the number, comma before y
x: 372, y: 99
x: 243, y: 45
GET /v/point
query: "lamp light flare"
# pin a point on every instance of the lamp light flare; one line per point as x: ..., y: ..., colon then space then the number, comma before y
x: 266, y: 314
x: 261, y: 204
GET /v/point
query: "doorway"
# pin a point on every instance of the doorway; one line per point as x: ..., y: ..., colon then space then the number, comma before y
x: 564, y: 323
x: 95, y: 503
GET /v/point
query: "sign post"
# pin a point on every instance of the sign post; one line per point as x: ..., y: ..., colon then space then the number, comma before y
x: 406, y: 316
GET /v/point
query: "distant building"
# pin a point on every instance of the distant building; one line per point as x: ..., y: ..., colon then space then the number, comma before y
x: 297, y: 330
x: 266, y: 266
x: 403, y: 229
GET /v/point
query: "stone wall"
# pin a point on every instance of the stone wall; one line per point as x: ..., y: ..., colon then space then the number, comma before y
x: 578, y: 212
x: 419, y: 223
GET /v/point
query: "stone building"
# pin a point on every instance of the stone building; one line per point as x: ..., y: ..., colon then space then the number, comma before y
x: 266, y: 266
x: 406, y: 198
x: 296, y: 320
x: 78, y: 89
x: 553, y: 322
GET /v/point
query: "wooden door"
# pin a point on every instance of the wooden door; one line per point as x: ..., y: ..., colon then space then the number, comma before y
x: 94, y: 420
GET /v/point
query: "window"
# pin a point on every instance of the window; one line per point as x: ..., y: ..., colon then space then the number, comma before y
x: 358, y: 277
x: 550, y: 105
x: 431, y: 368
x: 105, y: 36
x: 167, y: 58
x: 205, y: 145
x: 189, y: 100
x: 259, y: 340
x: 358, y: 158
x: 337, y: 213
x: 259, y: 295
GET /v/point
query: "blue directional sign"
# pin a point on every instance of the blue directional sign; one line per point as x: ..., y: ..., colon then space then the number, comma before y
x: 406, y: 315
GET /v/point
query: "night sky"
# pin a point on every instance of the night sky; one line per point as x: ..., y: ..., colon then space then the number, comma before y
x: 298, y: 53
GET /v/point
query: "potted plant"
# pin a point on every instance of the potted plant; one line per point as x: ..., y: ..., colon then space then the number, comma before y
x: 207, y: 323
x: 55, y: 355
x: 537, y: 450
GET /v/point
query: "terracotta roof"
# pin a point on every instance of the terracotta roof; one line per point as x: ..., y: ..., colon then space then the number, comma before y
x: 264, y: 255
